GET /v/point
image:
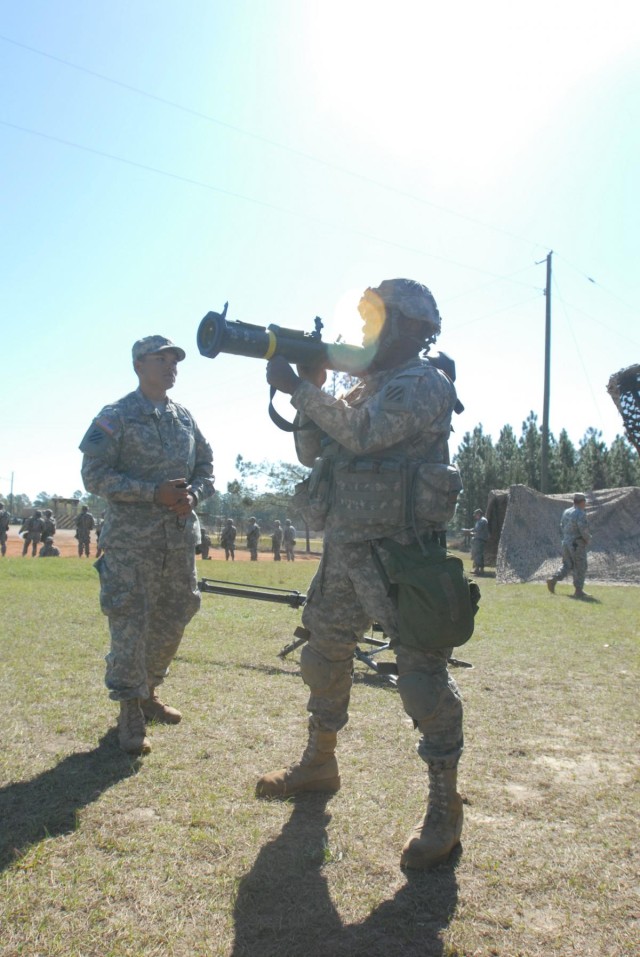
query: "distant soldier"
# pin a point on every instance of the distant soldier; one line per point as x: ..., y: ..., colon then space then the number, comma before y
x: 85, y: 522
x: 253, y: 537
x: 49, y: 550
x: 49, y: 525
x: 32, y: 529
x: 228, y: 540
x: 289, y: 538
x: 574, y: 529
x: 4, y: 528
x: 99, y: 548
x: 479, y: 538
x: 276, y: 541
x: 205, y: 545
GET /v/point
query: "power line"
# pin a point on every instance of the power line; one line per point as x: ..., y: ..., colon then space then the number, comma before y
x: 259, y: 202
x: 578, y: 353
x: 310, y: 157
x: 600, y: 286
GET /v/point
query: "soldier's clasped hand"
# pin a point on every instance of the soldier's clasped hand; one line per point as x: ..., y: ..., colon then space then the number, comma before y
x: 176, y: 495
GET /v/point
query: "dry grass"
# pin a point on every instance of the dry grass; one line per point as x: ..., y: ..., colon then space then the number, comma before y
x: 173, y: 856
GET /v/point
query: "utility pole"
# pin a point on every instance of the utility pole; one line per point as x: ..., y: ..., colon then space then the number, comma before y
x: 544, y: 459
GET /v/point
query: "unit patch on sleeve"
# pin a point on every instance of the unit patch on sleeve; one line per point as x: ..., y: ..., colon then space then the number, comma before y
x: 100, y: 434
x: 397, y: 396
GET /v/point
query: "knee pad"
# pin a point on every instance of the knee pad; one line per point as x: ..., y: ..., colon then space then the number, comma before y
x: 421, y: 694
x: 322, y: 675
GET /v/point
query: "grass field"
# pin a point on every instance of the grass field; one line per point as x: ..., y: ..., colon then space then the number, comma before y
x: 172, y: 856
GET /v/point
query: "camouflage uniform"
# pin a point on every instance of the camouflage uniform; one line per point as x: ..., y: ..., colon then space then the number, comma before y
x: 33, y: 528
x: 276, y: 542
x: 574, y: 528
x: 4, y: 528
x: 380, y: 480
x: 205, y: 545
x: 253, y: 537
x: 228, y: 540
x: 148, y: 577
x: 289, y: 540
x: 406, y: 410
x: 84, y: 524
x: 49, y: 529
x: 99, y: 525
x: 479, y: 538
x: 49, y: 550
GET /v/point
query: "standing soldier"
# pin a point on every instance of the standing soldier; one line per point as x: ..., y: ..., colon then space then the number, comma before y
x: 205, y: 545
x: 479, y: 538
x: 84, y: 524
x: 400, y: 411
x: 253, y: 537
x: 4, y: 528
x: 574, y: 529
x: 228, y: 540
x: 276, y: 541
x: 147, y: 457
x: 49, y: 525
x: 289, y: 540
x: 32, y: 529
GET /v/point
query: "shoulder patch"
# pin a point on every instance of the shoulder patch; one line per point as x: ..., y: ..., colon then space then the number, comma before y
x: 398, y: 394
x: 100, y: 434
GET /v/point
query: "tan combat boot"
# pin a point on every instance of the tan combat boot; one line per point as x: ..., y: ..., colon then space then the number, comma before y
x: 155, y: 710
x: 317, y: 770
x: 436, y: 836
x: 131, y: 728
x: 551, y: 584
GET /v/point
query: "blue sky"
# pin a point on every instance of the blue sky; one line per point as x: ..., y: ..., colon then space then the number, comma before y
x: 159, y: 159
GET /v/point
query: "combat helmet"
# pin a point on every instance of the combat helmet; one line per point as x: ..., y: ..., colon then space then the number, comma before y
x: 397, y: 299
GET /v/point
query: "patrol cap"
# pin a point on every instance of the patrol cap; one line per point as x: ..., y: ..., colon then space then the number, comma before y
x: 579, y: 497
x: 151, y: 344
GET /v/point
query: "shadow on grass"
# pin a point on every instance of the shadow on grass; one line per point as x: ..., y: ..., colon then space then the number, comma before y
x: 283, y: 904
x: 359, y: 677
x: 47, y: 805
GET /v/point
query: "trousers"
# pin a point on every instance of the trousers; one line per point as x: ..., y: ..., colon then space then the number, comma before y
x: 149, y: 600
x: 346, y: 596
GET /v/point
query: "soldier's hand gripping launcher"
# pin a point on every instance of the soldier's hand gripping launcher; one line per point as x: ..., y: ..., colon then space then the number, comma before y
x: 216, y: 335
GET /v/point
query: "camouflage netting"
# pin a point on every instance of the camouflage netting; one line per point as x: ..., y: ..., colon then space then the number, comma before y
x: 529, y: 549
x: 624, y: 389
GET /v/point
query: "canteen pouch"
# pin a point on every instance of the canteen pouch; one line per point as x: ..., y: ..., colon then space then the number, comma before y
x: 312, y: 496
x: 436, y: 601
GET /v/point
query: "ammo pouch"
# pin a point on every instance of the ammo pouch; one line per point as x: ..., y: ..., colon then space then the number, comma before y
x: 312, y: 496
x: 379, y: 496
x: 436, y: 601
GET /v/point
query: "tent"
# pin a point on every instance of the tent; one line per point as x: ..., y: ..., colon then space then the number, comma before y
x: 529, y: 534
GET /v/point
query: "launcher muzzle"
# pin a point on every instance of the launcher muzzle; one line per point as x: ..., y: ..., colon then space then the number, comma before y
x: 216, y: 335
